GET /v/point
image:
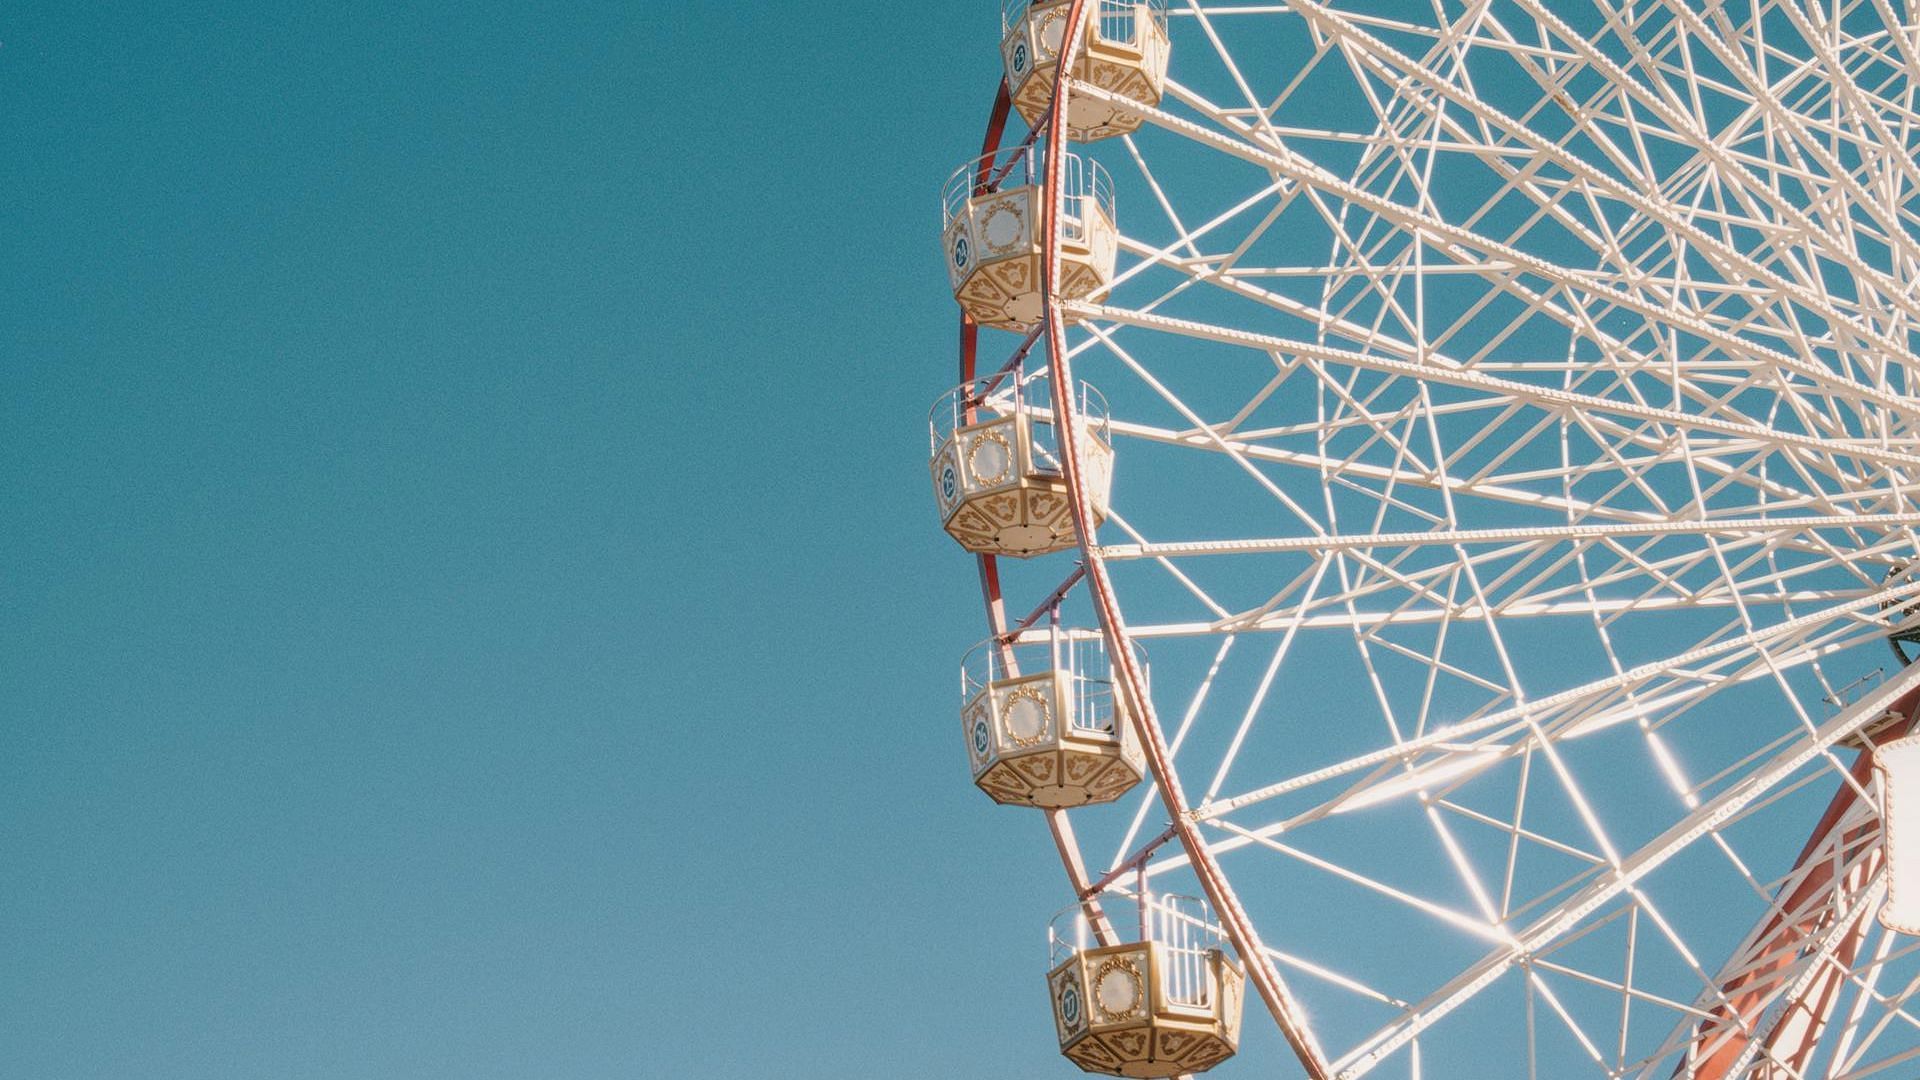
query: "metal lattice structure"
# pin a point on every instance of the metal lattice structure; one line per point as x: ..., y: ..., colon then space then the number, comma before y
x: 1514, y: 473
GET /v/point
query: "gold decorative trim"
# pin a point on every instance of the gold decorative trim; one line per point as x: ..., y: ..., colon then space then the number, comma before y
x: 989, y: 218
x: 973, y: 449
x: 1051, y: 24
x: 1026, y: 693
x: 1121, y: 966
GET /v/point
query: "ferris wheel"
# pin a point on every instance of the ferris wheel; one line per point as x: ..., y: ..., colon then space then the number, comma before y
x: 1443, y: 478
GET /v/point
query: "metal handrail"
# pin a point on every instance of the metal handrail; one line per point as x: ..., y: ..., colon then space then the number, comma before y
x: 1024, y: 166
x: 1114, y: 20
x: 1182, y: 926
x: 1009, y: 393
x: 1081, y: 654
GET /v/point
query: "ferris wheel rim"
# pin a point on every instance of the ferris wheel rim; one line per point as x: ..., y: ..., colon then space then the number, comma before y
x: 1085, y: 888
x: 1127, y: 672
x: 1093, y: 558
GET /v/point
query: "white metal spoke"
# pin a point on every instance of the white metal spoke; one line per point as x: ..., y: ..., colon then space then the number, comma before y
x: 1515, y: 414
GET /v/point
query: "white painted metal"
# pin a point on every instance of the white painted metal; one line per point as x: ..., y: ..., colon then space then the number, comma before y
x: 1898, y: 763
x: 1544, y: 375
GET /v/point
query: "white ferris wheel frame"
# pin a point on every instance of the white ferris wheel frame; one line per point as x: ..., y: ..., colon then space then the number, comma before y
x: 1836, y: 874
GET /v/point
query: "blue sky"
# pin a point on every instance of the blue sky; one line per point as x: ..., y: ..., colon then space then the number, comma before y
x: 471, y: 603
x: 470, y: 597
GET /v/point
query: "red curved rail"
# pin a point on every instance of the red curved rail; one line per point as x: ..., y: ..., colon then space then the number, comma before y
x: 1057, y: 823
x: 1733, y: 1035
x: 1125, y: 664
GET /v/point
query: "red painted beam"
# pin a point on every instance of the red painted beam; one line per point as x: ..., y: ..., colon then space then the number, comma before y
x: 1720, y: 1043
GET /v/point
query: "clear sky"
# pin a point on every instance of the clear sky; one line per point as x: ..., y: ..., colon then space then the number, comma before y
x: 470, y: 601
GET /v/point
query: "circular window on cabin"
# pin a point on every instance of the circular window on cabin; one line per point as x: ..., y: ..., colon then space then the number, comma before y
x: 990, y: 458
x: 1027, y: 716
x: 1052, y: 32
x: 1117, y: 989
x: 1003, y: 227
